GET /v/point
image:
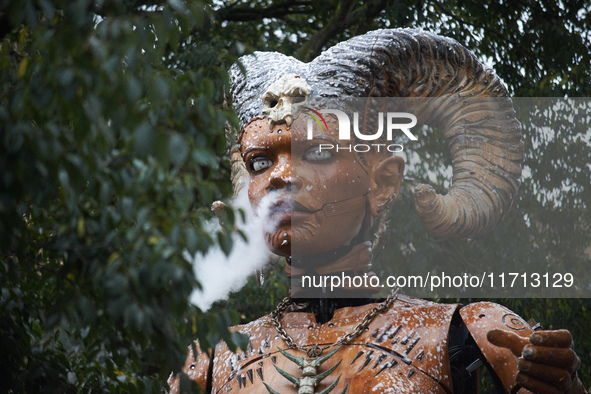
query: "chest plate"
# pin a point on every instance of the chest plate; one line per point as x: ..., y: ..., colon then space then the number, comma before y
x: 403, y: 350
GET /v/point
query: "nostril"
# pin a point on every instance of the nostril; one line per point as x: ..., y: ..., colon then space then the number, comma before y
x: 281, y: 182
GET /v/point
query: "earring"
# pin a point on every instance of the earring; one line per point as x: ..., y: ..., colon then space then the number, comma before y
x: 260, y: 275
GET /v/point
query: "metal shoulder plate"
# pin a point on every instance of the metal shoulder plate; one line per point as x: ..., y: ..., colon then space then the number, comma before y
x: 482, y: 317
x: 196, y: 367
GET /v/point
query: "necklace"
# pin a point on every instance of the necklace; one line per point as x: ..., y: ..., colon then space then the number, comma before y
x: 309, y: 366
x: 315, y: 351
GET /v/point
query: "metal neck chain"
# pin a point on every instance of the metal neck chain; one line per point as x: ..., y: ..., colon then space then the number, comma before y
x: 315, y: 351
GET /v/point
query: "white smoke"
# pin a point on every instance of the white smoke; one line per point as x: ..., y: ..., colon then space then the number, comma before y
x: 219, y: 274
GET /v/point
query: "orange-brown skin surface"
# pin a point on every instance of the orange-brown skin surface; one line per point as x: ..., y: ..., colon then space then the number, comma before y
x: 404, y: 350
x: 540, y: 361
x: 484, y: 317
x: 395, y: 63
x: 196, y: 367
x: 306, y: 179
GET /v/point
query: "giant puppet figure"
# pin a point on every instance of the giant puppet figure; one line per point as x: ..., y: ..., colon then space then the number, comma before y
x: 402, y: 344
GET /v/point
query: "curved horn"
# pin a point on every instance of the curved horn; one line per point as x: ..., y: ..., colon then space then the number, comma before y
x: 483, y: 134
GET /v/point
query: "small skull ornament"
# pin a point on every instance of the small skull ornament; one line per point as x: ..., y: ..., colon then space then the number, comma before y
x: 284, y: 98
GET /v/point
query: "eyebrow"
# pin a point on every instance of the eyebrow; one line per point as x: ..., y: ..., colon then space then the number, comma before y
x: 253, y: 148
x: 324, y: 138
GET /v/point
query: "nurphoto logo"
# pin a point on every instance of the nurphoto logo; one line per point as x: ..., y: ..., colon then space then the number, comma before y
x: 392, y: 122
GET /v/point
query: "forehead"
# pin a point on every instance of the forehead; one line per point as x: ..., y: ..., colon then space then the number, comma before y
x: 325, y: 126
x: 257, y: 130
x: 257, y: 133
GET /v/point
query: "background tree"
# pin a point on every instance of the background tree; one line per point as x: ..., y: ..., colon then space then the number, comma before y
x: 112, y: 150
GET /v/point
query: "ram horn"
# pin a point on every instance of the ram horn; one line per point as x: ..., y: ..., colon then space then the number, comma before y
x: 473, y: 110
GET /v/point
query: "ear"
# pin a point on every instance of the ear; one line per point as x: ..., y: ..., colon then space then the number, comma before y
x: 386, y: 176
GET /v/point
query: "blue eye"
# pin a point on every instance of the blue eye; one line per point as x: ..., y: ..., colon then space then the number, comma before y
x: 316, y: 154
x: 260, y: 163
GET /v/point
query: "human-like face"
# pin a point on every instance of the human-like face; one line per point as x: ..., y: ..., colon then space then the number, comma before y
x: 305, y: 183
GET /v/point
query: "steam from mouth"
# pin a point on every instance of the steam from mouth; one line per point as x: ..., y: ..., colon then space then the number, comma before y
x: 219, y: 274
x: 287, y: 205
x: 280, y: 207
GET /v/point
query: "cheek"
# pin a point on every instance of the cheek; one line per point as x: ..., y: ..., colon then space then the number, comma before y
x: 256, y: 191
x: 321, y: 234
x: 333, y: 183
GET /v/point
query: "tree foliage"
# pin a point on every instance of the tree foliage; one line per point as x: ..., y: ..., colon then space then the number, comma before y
x: 112, y: 149
x: 111, y: 139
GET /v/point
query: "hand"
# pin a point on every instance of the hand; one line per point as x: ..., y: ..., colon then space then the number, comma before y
x: 547, y: 363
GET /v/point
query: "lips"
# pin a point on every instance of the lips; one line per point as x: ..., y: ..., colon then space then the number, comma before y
x: 280, y: 207
x: 286, y: 210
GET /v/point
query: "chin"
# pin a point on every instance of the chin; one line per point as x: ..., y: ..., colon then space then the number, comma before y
x: 278, y: 243
x: 310, y: 238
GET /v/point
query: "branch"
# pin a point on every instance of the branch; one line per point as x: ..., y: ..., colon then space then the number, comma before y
x: 344, y: 18
x: 515, y: 44
x: 281, y: 10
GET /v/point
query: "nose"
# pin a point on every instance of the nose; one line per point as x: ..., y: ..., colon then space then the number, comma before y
x: 281, y: 176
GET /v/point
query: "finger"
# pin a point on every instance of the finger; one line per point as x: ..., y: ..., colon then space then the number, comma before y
x: 558, y: 357
x: 508, y: 340
x: 535, y: 385
x: 556, y: 376
x: 554, y: 338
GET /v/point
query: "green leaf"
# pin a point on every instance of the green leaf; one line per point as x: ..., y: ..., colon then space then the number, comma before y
x: 178, y: 149
x: 36, y: 329
x: 225, y: 242
x: 143, y: 138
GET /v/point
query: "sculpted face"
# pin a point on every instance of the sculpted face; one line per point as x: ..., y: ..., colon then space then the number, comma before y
x: 321, y: 198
